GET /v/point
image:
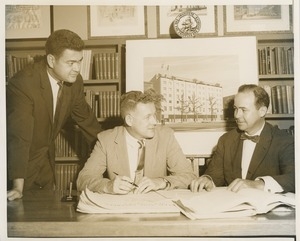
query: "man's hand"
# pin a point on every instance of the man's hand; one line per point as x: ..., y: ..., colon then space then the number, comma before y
x: 146, y: 185
x: 119, y: 185
x: 17, y: 191
x: 239, y: 184
x: 202, y: 183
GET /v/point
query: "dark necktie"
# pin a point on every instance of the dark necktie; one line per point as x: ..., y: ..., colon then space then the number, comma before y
x: 60, y: 84
x: 255, y: 139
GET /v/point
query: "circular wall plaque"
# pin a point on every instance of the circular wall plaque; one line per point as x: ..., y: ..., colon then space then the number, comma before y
x: 187, y: 24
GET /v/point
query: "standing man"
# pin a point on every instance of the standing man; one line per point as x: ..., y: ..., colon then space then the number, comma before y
x: 40, y: 99
x: 256, y: 154
x: 114, y: 165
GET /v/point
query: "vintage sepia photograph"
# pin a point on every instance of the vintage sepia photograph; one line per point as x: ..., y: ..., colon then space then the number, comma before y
x: 143, y: 119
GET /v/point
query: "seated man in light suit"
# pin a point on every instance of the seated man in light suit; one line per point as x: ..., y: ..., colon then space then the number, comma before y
x: 266, y: 163
x: 113, y: 166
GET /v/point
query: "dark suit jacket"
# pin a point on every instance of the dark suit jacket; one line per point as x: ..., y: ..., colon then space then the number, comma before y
x: 163, y: 158
x: 273, y: 156
x: 31, y: 130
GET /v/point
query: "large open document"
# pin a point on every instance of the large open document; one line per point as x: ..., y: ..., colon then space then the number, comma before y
x: 218, y: 203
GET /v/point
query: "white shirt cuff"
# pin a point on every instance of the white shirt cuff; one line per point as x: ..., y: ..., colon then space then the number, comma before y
x: 271, y: 185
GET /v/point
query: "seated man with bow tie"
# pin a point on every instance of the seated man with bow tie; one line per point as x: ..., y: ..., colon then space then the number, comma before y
x: 256, y: 154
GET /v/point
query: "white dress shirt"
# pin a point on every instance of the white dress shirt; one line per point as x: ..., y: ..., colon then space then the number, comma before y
x: 55, y: 88
x: 132, y: 150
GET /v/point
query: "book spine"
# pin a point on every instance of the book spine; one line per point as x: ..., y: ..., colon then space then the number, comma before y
x: 104, y: 66
x: 284, y: 99
x: 274, y: 100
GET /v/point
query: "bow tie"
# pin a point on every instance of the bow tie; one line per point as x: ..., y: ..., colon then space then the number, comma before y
x: 251, y: 138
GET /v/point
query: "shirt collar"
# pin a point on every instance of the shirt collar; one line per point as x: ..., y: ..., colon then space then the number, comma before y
x: 131, y: 140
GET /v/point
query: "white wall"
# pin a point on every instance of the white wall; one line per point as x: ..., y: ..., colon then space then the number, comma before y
x: 198, y: 142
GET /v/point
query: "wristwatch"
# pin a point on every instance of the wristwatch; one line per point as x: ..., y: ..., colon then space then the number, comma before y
x: 168, y: 184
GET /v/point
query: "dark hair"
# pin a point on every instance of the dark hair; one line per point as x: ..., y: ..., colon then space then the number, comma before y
x: 130, y: 100
x: 61, y: 40
x: 261, y: 96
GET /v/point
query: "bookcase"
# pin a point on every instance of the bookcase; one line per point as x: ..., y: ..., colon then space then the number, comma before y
x: 276, y: 74
x: 103, y: 73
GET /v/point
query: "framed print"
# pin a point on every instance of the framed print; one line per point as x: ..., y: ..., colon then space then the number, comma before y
x: 197, y: 77
x: 27, y: 21
x: 116, y: 21
x: 167, y: 15
x: 257, y: 18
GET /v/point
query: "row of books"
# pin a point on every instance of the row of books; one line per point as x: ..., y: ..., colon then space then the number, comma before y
x: 106, y: 66
x: 282, y: 99
x: 102, y: 66
x: 276, y: 60
x: 104, y: 103
x: 15, y: 64
x: 71, y: 143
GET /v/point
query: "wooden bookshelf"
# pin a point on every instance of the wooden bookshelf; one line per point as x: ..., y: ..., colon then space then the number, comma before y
x: 276, y: 74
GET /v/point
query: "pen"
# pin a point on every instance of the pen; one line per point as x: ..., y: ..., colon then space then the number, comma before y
x: 132, y: 183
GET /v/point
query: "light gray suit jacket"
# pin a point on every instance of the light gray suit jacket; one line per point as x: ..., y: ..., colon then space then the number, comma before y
x: 163, y: 158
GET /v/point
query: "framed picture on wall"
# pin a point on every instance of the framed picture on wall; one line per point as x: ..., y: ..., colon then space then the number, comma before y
x: 27, y: 21
x: 167, y: 15
x: 198, y: 77
x: 116, y: 21
x: 243, y: 19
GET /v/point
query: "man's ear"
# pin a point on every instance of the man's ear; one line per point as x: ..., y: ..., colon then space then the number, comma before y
x: 50, y: 60
x: 263, y: 111
x: 128, y: 120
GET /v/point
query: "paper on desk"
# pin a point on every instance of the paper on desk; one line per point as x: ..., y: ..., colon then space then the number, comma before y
x: 221, y: 203
x: 152, y: 202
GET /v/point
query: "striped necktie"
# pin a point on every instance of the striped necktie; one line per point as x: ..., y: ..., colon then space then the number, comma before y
x: 139, y: 173
x: 141, y: 155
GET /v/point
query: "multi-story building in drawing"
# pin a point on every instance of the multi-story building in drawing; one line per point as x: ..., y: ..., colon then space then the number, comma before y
x: 188, y: 100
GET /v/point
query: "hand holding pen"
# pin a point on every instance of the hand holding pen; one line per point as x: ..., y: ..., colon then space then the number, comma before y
x: 132, y: 183
x: 120, y: 185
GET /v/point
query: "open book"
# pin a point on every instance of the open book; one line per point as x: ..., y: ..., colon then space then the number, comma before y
x: 221, y: 203
x: 152, y: 202
x: 218, y: 203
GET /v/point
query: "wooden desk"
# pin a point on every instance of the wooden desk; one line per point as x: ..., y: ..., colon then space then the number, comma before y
x: 42, y: 214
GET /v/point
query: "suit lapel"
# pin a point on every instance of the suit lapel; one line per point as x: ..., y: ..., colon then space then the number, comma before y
x: 236, y: 153
x: 260, y: 151
x: 46, y: 93
x: 121, y: 152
